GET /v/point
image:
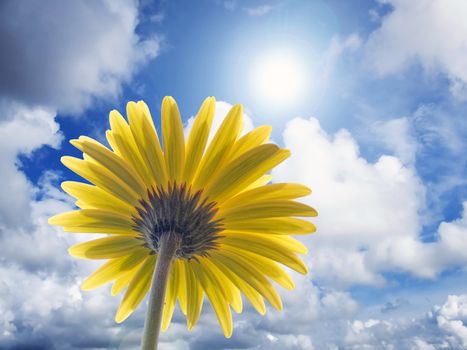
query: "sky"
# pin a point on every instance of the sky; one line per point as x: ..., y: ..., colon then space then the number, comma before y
x: 369, y: 96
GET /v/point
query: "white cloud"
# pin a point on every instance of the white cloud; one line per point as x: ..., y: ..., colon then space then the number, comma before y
x: 441, y: 328
x: 423, y: 31
x: 310, y: 315
x: 258, y: 10
x: 56, y: 57
x: 66, y: 54
x: 397, y: 136
x: 39, y: 290
x: 368, y: 219
x: 25, y: 129
x: 452, y: 318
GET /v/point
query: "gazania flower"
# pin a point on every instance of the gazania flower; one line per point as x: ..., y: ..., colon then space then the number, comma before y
x: 205, y: 214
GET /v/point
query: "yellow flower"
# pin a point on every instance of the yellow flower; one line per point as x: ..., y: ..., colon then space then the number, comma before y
x: 228, y: 226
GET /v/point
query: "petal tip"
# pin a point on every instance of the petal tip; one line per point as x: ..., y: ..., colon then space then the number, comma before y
x: 53, y: 220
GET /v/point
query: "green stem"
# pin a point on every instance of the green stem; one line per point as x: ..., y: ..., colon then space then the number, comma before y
x: 168, y: 244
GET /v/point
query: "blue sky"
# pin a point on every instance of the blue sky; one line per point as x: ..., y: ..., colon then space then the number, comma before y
x: 377, y: 128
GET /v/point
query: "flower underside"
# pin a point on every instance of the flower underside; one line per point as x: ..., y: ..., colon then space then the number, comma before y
x: 211, y: 196
x: 182, y: 214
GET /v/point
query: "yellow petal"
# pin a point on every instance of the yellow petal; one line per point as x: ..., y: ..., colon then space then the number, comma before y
x: 125, y: 145
x: 124, y: 280
x: 173, y: 139
x: 110, y: 161
x: 269, y: 192
x: 195, y: 296
x: 106, y: 248
x: 113, y: 269
x: 266, y: 266
x: 229, y: 290
x: 220, y: 146
x: 262, y: 181
x: 170, y: 296
x: 284, y: 241
x: 137, y: 289
x: 251, y: 140
x: 249, y: 274
x: 147, y: 141
x: 103, y: 178
x: 92, y: 218
x: 269, y: 248
x: 250, y: 293
x: 93, y: 197
x: 216, y: 298
x: 182, y: 286
x: 244, y: 170
x: 287, y: 226
x: 264, y: 209
x: 99, y: 230
x: 113, y: 144
x: 198, y: 138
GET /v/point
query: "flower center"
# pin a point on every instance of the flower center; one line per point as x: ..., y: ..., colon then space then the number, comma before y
x: 181, y: 214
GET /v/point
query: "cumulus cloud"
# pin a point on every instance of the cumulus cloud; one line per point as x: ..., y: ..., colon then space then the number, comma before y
x: 423, y: 31
x: 314, y: 316
x: 39, y: 289
x: 441, y: 328
x: 397, y: 135
x: 56, y: 58
x: 369, y: 219
x: 311, y: 318
x: 63, y: 55
x: 24, y: 130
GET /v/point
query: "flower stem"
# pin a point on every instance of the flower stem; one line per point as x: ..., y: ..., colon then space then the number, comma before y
x: 168, y: 244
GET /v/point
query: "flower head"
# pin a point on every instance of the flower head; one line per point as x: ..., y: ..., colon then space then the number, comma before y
x: 230, y: 226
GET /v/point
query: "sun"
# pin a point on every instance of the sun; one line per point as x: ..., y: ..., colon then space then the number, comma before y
x: 278, y: 78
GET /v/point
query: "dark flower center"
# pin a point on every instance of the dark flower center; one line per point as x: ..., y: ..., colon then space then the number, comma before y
x: 181, y: 214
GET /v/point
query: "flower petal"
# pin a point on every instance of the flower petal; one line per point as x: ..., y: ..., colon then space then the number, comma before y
x: 137, y: 289
x: 103, y: 178
x: 268, y: 247
x: 195, y: 296
x: 111, y: 162
x: 215, y: 296
x: 124, y: 280
x: 147, y: 141
x: 265, y: 209
x: 125, y: 146
x: 173, y: 139
x: 250, y: 293
x: 106, y: 248
x: 219, y: 147
x: 250, y: 140
x: 262, y: 181
x: 182, y: 286
x: 244, y: 170
x: 285, y: 226
x: 267, y: 266
x: 113, y: 269
x: 286, y: 242
x: 249, y: 274
x: 90, y: 197
x: 198, y: 138
x: 170, y: 296
x: 269, y: 192
x: 85, y: 217
x: 230, y: 291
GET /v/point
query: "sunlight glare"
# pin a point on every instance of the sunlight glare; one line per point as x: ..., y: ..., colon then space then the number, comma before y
x: 278, y: 78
